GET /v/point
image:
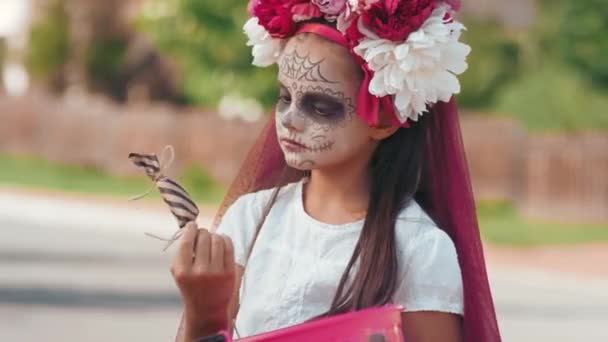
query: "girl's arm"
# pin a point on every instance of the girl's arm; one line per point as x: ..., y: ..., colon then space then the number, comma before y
x: 431, y: 326
x: 207, y: 276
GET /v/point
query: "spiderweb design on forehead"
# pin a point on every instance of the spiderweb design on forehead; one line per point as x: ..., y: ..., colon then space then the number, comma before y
x: 297, y: 67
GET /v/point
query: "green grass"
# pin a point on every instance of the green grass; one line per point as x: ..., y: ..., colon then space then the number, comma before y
x: 500, y: 224
x: 499, y: 221
x: 201, y: 186
x: 40, y: 174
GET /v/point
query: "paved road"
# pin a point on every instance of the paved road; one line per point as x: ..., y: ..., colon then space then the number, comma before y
x: 81, y: 272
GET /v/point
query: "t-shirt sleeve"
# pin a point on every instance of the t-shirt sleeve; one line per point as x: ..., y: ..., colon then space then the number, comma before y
x: 432, y: 279
x: 239, y: 223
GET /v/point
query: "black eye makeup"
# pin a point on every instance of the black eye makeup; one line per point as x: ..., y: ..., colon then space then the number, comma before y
x: 324, y: 105
x: 321, y: 106
x: 284, y: 99
x: 318, y: 104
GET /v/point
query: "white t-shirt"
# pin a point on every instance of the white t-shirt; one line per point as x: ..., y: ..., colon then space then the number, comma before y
x: 297, y: 261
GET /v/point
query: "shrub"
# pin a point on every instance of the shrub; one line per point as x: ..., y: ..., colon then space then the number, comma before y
x: 207, y: 41
x: 493, y: 63
x: 49, y: 40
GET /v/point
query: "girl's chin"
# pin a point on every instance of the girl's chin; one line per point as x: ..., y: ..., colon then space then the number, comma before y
x: 300, y: 161
x: 301, y: 164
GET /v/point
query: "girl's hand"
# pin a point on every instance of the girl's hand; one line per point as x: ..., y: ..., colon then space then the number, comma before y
x: 204, y: 271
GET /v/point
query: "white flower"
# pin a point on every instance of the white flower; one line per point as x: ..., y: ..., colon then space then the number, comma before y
x: 266, y: 50
x: 420, y: 71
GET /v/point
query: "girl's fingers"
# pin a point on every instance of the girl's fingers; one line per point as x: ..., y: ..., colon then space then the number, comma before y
x: 217, y: 254
x: 203, y: 250
x: 183, y: 259
x: 229, y: 264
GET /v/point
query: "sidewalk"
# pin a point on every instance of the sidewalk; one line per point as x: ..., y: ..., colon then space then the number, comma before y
x: 72, y: 264
x: 88, y: 212
x: 76, y: 210
x: 584, y: 260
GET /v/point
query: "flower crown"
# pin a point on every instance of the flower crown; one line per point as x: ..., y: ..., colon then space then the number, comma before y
x: 408, y: 49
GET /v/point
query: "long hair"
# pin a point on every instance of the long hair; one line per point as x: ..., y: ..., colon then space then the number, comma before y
x: 443, y: 190
x: 426, y: 163
x: 396, y: 169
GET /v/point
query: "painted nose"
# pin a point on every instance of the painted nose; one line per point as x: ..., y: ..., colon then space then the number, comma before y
x: 292, y: 121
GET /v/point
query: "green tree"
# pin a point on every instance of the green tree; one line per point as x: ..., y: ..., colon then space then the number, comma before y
x: 584, y: 38
x: 207, y: 41
x: 2, y: 50
x: 49, y: 42
x: 553, y: 90
x: 104, y: 61
x: 493, y: 63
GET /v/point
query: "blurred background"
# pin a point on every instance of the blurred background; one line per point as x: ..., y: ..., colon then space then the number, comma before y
x: 85, y: 82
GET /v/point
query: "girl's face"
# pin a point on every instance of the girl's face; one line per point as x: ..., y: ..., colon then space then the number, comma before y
x: 316, y: 121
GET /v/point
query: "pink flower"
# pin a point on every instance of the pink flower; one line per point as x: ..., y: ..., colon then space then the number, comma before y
x: 396, y: 19
x: 352, y: 33
x: 330, y: 7
x: 251, y: 5
x: 275, y: 16
x: 304, y: 10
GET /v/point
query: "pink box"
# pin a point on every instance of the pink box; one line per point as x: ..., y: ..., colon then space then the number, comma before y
x: 381, y: 324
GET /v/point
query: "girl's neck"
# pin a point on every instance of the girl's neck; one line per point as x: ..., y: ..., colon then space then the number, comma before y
x: 337, y: 196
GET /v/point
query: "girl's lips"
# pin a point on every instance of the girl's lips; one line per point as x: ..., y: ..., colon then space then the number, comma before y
x: 292, y: 145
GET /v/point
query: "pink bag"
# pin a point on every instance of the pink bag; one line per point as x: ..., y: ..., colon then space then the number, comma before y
x: 382, y: 324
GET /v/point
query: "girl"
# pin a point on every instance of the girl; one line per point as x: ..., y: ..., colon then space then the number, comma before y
x: 351, y: 198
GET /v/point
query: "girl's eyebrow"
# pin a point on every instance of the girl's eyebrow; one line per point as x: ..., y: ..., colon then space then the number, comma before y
x: 281, y: 85
x: 317, y: 96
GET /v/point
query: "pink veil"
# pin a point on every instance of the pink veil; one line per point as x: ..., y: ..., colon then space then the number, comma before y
x: 445, y: 194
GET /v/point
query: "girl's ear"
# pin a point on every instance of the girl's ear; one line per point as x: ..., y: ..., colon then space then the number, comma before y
x: 384, y: 128
x: 381, y: 133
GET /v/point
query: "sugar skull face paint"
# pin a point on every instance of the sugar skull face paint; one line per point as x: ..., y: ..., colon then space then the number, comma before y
x: 316, y: 121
